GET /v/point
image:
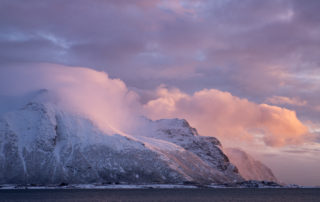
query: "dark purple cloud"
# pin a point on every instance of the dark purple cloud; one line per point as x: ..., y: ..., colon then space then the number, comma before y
x: 253, y: 49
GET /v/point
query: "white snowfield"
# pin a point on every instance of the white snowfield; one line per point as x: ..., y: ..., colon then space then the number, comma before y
x: 42, y: 144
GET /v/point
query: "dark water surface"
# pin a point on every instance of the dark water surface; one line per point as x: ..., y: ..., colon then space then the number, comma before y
x: 162, y: 195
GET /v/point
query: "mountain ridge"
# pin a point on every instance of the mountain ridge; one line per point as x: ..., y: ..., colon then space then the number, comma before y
x: 43, y: 144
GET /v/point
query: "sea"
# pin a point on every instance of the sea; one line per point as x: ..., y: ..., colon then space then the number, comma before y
x: 158, y: 195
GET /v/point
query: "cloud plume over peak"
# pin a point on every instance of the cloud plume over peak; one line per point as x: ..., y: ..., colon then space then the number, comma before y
x: 84, y: 91
x: 115, y: 108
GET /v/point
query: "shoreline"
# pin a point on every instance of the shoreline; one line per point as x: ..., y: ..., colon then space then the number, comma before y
x: 139, y: 186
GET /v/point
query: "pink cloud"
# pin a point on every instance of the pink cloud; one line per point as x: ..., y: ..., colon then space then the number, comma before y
x: 93, y: 94
x: 217, y: 113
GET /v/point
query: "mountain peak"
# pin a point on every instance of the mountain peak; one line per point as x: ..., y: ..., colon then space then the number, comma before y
x: 42, y: 143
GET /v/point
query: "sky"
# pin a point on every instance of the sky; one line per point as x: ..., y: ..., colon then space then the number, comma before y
x: 247, y: 72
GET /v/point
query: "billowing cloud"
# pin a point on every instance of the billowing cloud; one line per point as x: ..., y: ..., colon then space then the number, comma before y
x: 114, y: 107
x: 217, y: 113
x: 83, y: 91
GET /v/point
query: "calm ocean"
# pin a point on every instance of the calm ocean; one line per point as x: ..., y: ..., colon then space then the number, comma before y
x: 140, y: 195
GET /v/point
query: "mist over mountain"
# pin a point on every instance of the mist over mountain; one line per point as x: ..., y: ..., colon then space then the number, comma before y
x: 75, y: 125
x: 248, y: 167
x: 43, y: 144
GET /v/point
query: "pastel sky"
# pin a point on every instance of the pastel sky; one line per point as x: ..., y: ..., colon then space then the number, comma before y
x: 245, y: 71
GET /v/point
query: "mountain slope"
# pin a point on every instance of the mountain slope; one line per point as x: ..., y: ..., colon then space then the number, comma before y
x: 41, y: 143
x: 249, y: 168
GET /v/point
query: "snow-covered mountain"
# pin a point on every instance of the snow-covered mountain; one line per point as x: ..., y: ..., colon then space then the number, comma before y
x: 42, y: 143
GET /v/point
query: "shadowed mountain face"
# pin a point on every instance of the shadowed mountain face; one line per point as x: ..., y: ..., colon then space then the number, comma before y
x: 249, y: 168
x: 40, y: 143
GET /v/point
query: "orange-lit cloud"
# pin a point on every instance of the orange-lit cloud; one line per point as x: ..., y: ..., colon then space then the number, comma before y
x: 114, y: 108
x: 217, y: 113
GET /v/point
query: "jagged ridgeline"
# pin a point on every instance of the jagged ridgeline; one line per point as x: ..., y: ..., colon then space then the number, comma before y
x: 42, y: 144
